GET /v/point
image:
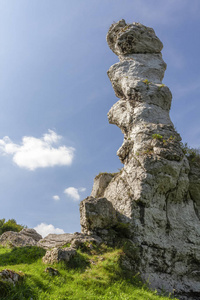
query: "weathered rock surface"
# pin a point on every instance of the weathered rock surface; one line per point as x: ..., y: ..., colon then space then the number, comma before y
x: 57, y: 255
x: 51, y: 271
x: 96, y: 213
x: 11, y: 277
x: 60, y: 240
x: 101, y: 181
x: 26, y: 237
x: 157, y: 192
x: 125, y: 38
x: 32, y: 233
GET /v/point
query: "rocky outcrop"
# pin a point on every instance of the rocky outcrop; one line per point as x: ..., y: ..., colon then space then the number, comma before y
x: 101, y: 182
x: 26, y: 237
x: 157, y: 191
x: 31, y: 233
x: 96, y: 214
x: 11, y: 277
x: 57, y: 255
x: 75, y: 239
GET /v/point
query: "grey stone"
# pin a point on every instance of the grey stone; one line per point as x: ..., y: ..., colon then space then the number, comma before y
x: 194, y: 186
x: 157, y: 192
x: 11, y: 277
x: 125, y: 38
x: 26, y: 237
x: 96, y: 214
x: 31, y: 233
x: 57, y: 255
x: 60, y: 240
x: 51, y: 271
x: 101, y: 181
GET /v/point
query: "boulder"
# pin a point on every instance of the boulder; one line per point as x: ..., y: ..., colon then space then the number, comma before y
x: 96, y: 213
x: 57, y: 255
x: 32, y: 233
x: 26, y: 237
x: 59, y: 240
x: 11, y: 277
x: 101, y: 181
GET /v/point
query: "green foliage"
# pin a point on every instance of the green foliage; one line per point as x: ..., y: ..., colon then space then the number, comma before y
x: 102, y: 278
x: 66, y: 246
x: 148, y: 151
x: 10, y: 225
x: 147, y: 82
x: 4, y: 288
x: 192, y: 154
x: 157, y: 136
x: 161, y: 86
x: 78, y: 262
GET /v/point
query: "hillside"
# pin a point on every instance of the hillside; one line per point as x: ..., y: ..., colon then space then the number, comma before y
x: 94, y: 273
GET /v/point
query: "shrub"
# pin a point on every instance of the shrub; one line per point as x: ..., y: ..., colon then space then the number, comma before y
x: 10, y: 225
x: 192, y: 154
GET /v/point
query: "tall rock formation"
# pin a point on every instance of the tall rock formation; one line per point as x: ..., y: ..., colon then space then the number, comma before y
x: 157, y: 192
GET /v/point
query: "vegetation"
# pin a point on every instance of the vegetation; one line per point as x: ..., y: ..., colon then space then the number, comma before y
x: 10, y: 225
x: 147, y: 82
x: 192, y: 154
x: 125, y: 28
x: 161, y: 86
x: 157, y: 136
x: 148, y: 151
x: 94, y: 273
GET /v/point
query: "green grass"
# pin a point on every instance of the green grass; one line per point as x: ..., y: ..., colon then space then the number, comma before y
x: 93, y: 274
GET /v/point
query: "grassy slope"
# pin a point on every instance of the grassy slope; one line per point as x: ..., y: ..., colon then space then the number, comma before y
x: 93, y: 274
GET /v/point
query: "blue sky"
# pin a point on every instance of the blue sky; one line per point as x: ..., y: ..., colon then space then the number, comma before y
x: 55, y: 95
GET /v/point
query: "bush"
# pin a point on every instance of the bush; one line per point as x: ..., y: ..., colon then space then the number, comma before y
x: 10, y: 225
x: 192, y: 154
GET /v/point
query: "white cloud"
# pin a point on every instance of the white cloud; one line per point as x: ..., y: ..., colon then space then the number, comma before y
x: 44, y: 229
x: 56, y: 198
x: 73, y: 192
x: 36, y: 153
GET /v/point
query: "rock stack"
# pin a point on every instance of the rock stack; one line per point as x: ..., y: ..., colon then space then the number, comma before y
x: 157, y: 193
x: 152, y: 206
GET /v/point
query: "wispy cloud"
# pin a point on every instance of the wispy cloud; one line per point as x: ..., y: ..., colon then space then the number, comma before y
x: 35, y: 153
x: 74, y: 193
x: 56, y: 198
x: 45, y: 229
